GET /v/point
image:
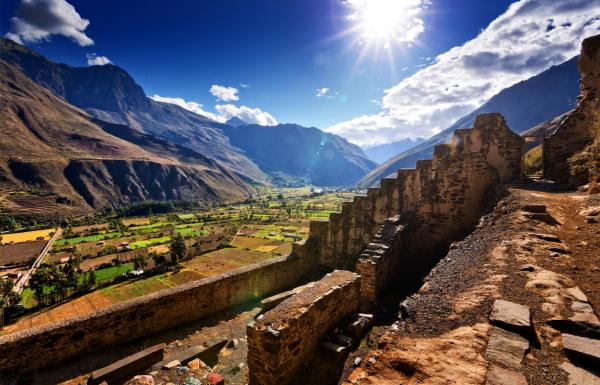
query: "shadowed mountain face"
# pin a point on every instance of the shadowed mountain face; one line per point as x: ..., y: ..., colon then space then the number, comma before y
x: 549, y: 94
x: 110, y: 94
x: 292, y: 154
x: 50, y: 146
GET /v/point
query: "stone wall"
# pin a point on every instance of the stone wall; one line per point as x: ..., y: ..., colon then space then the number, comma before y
x: 380, y: 263
x: 580, y: 127
x: 286, y: 336
x: 441, y: 198
x: 51, y: 344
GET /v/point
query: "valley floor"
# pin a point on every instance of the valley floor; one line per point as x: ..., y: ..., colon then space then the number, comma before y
x: 533, y: 259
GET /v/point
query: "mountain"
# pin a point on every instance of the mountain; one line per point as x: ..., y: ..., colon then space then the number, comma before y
x: 55, y: 158
x: 383, y: 152
x: 546, y: 128
x: 548, y: 94
x: 296, y: 155
x: 235, y: 121
x: 110, y: 94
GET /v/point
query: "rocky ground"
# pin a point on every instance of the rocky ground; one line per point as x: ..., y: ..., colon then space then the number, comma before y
x: 546, y: 258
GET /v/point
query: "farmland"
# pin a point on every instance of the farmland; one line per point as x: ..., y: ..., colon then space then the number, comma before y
x: 216, y: 240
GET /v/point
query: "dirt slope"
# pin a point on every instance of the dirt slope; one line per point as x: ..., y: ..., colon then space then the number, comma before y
x: 515, y: 255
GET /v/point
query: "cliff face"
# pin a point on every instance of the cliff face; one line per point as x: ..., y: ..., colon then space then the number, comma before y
x: 572, y: 152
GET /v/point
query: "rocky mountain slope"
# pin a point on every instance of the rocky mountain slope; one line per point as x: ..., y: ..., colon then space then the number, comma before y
x: 292, y: 154
x: 55, y: 157
x: 549, y: 94
x: 109, y: 93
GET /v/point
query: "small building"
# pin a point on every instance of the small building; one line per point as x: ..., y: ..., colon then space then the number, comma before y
x: 65, y: 259
x: 272, y: 234
x: 123, y: 244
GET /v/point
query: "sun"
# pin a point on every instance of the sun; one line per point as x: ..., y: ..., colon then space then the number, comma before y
x: 387, y: 21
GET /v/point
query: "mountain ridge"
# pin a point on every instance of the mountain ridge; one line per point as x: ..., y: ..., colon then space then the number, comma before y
x: 519, y: 116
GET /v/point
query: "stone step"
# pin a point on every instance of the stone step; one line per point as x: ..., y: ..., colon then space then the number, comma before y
x: 512, y: 316
x: 207, y: 354
x: 500, y: 376
x: 506, y: 348
x: 120, y: 371
x: 582, y: 349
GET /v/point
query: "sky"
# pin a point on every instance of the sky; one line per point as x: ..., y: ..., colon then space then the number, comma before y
x: 372, y: 71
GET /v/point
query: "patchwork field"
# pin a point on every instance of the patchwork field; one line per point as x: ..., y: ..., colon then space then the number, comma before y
x: 216, y: 241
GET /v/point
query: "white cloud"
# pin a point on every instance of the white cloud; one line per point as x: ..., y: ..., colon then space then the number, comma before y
x: 226, y: 94
x: 224, y: 111
x: 247, y: 114
x: 322, y: 92
x: 529, y: 37
x: 37, y: 20
x: 244, y: 85
x: 190, y: 106
x: 94, y: 60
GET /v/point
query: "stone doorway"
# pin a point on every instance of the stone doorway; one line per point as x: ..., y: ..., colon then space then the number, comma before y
x: 532, y: 163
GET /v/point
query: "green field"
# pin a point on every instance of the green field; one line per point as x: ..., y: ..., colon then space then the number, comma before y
x: 87, y: 238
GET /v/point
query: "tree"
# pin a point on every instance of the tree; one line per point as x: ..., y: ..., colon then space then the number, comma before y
x: 178, y: 249
x: 139, y: 261
x: 8, y: 298
x: 90, y: 280
x: 8, y: 223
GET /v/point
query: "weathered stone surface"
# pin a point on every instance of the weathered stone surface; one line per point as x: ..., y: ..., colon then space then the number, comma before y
x: 500, y: 376
x: 579, y: 376
x: 534, y: 208
x: 582, y: 348
x: 207, y: 354
x: 283, y: 339
x: 129, y: 366
x: 506, y: 348
x: 510, y: 315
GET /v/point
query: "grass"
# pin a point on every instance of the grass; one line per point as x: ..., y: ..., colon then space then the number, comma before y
x: 186, y: 217
x: 112, y: 272
x: 87, y: 238
x: 192, y: 232
x: 27, y: 236
x: 150, y: 242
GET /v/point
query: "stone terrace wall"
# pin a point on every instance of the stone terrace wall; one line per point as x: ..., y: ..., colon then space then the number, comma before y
x: 340, y: 240
x: 443, y: 197
x: 285, y: 337
x: 462, y: 177
x: 51, y: 344
x: 577, y: 130
x: 379, y: 263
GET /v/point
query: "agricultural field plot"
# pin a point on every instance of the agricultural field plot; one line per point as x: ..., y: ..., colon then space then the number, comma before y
x: 19, y: 253
x: 217, y: 240
x: 27, y: 236
x: 206, y: 265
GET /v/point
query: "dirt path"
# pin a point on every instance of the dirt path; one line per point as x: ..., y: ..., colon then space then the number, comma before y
x: 532, y: 259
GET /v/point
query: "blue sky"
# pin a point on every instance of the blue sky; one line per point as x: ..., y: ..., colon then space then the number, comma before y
x: 278, y: 54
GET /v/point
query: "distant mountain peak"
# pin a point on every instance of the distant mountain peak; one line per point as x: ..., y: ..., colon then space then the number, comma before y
x: 236, y: 122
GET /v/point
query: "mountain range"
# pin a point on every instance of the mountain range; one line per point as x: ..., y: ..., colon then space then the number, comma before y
x: 549, y: 94
x: 91, y: 136
x: 382, y: 152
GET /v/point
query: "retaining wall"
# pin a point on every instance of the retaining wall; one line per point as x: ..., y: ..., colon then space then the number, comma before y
x: 284, y: 339
x: 50, y: 344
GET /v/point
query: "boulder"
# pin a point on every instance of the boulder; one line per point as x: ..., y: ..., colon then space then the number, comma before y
x: 171, y: 365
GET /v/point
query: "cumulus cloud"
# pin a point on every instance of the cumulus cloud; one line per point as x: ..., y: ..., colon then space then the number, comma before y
x: 529, y: 37
x: 95, y: 60
x: 224, y: 111
x: 226, y: 94
x: 37, y: 20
